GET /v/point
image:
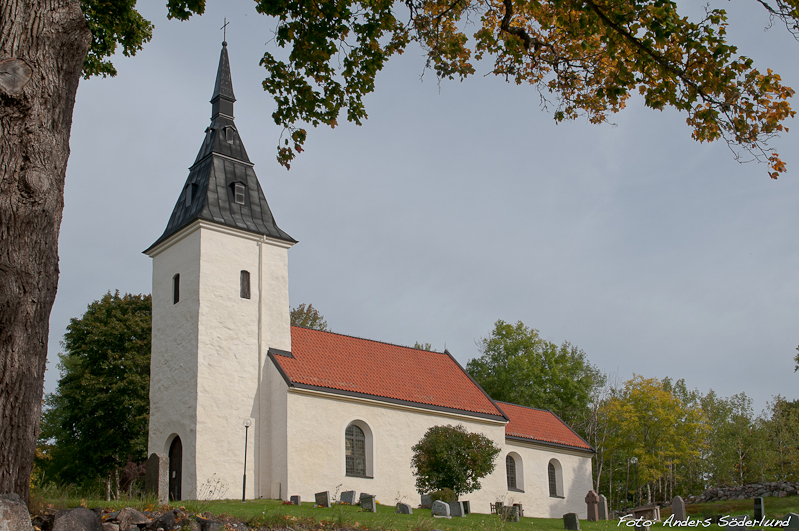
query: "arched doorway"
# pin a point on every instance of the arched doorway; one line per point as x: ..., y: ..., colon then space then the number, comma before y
x: 175, y: 468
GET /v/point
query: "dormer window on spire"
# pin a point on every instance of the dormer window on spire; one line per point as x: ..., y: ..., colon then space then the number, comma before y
x: 238, y: 193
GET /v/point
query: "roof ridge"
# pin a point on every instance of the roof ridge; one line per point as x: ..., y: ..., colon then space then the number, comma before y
x: 367, y: 339
x: 526, y: 407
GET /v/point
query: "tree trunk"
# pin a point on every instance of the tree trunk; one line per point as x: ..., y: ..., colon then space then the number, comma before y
x: 42, y: 46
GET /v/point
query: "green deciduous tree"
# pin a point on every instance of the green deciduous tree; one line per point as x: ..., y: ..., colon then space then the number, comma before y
x: 308, y: 317
x: 97, y: 418
x: 656, y: 429
x: 516, y: 365
x: 452, y: 457
x: 422, y: 346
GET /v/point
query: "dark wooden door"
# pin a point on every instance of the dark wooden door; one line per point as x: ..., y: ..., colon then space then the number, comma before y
x: 175, y: 468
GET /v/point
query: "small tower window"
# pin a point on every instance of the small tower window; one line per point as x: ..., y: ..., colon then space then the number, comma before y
x: 228, y: 134
x: 175, y: 289
x: 238, y: 193
x: 244, y: 289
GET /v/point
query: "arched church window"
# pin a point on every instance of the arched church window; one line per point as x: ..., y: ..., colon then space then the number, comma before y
x: 555, y: 474
x: 244, y: 288
x: 355, y: 442
x: 175, y: 289
x: 238, y: 193
x: 510, y: 470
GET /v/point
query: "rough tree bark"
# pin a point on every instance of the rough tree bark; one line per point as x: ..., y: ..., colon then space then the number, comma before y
x: 42, y: 46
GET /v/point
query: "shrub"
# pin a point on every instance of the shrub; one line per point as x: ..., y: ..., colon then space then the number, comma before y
x: 452, y: 457
x: 445, y: 495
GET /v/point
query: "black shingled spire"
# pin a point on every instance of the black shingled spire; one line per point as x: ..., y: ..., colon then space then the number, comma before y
x: 220, y: 170
x: 223, y: 98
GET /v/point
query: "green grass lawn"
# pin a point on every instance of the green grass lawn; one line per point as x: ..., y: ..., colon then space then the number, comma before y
x: 271, y: 513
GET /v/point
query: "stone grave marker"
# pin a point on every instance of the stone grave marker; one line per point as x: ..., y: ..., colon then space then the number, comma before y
x: 156, y: 477
x: 427, y: 501
x: 570, y: 522
x: 793, y: 522
x: 440, y: 509
x: 603, y: 507
x: 760, y: 510
x: 348, y: 497
x: 510, y: 513
x: 456, y: 509
x: 591, y: 501
x: 642, y: 528
x: 678, y: 509
x: 521, y: 509
x: 403, y: 508
x: 295, y: 500
x: 467, y: 508
x: 368, y: 503
x: 323, y: 498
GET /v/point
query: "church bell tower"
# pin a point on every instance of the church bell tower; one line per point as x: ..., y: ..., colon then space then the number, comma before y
x: 220, y: 301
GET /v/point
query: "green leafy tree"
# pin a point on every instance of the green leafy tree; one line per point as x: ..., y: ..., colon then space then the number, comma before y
x: 423, y: 346
x: 97, y: 419
x: 450, y: 457
x: 781, y: 432
x: 516, y: 365
x: 656, y: 430
x: 308, y: 317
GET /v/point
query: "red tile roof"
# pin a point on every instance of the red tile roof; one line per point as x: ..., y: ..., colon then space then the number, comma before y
x: 539, y: 425
x: 355, y: 365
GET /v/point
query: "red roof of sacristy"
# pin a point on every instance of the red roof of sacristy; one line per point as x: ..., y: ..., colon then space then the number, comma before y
x: 382, y: 370
x: 539, y: 425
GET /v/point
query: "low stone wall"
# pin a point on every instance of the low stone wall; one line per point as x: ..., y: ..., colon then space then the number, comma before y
x: 778, y: 489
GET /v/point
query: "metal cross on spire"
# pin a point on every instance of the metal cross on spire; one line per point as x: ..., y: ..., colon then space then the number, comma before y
x: 224, y: 30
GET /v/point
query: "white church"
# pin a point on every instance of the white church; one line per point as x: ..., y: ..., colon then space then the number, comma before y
x: 319, y: 410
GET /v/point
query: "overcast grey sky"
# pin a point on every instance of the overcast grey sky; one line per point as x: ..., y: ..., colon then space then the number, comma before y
x: 458, y: 204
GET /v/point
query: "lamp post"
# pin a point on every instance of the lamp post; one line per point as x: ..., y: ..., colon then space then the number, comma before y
x: 247, y: 424
x: 634, y: 461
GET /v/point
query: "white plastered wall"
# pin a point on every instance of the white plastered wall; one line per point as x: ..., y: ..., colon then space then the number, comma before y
x: 173, y: 363
x: 228, y: 351
x: 316, y: 447
x: 316, y: 455
x: 576, y: 476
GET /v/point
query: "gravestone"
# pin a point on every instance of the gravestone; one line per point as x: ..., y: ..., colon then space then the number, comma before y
x: 427, y: 501
x: 570, y: 522
x: 323, y: 498
x: 793, y: 522
x: 440, y: 509
x: 456, y: 509
x: 678, y: 509
x: 603, y: 507
x: 591, y: 501
x: 510, y: 514
x: 403, y: 508
x: 520, y: 507
x: 467, y: 508
x: 295, y: 500
x: 760, y: 510
x: 642, y: 528
x: 368, y: 503
x: 363, y: 496
x: 156, y: 477
x: 348, y: 497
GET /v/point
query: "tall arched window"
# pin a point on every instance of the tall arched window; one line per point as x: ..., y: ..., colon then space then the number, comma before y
x: 555, y: 476
x: 510, y: 469
x: 175, y: 289
x: 355, y: 451
x: 244, y: 285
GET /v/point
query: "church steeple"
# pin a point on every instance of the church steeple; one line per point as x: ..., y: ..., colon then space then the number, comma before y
x: 223, y: 98
x: 222, y: 186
